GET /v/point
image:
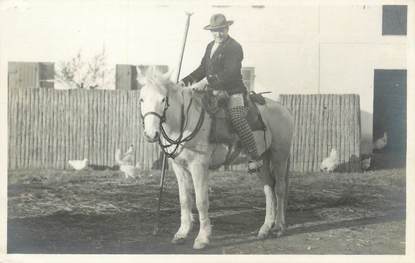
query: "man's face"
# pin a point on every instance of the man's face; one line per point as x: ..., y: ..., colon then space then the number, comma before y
x: 220, y: 35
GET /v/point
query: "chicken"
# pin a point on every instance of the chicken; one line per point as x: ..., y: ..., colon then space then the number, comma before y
x: 78, y: 164
x: 131, y: 170
x: 380, y: 143
x: 126, y: 162
x: 127, y: 158
x: 365, y: 161
x: 330, y: 163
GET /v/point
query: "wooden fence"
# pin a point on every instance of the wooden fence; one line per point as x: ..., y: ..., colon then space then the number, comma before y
x: 48, y: 127
x: 323, y: 122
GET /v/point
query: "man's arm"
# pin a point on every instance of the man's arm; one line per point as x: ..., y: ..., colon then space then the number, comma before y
x: 198, y: 74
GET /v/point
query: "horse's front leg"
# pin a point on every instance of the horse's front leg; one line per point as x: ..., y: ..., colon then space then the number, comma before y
x: 200, y: 180
x: 186, y: 203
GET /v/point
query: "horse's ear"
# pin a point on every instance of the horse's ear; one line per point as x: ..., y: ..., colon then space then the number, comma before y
x: 166, y: 76
x: 140, y: 76
x: 151, y: 71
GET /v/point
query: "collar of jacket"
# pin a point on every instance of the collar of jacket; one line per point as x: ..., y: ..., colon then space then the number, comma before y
x: 219, y: 48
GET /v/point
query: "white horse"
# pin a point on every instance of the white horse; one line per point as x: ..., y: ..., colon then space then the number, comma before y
x: 176, y: 113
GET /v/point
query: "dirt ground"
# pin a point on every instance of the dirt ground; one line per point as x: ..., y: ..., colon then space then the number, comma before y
x: 55, y: 211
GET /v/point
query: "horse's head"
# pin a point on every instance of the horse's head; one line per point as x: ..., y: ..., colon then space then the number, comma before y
x: 153, y: 101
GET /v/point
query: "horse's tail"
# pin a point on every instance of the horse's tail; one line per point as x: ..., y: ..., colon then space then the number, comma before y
x: 287, y: 172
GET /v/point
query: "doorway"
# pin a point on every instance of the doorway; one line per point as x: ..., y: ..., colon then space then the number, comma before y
x: 389, y: 115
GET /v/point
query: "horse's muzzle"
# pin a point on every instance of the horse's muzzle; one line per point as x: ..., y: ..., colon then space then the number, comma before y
x: 151, y: 139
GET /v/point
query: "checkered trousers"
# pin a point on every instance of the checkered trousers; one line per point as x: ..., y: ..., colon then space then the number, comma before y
x: 240, y: 124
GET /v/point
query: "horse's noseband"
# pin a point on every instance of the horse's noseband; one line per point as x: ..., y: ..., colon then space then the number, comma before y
x: 162, y: 117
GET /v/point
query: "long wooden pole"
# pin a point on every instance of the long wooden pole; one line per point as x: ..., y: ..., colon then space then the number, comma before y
x: 164, y: 157
x: 184, y: 45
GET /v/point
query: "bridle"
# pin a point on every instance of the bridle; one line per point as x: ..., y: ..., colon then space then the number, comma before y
x: 162, y: 117
x: 180, y: 140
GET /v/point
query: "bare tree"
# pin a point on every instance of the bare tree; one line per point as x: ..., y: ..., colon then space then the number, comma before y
x: 81, y: 73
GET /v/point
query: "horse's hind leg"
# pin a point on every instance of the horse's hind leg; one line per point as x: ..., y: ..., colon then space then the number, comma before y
x: 186, y: 203
x: 269, y: 183
x: 280, y: 173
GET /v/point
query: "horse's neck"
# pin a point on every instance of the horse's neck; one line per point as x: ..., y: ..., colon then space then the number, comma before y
x: 179, y: 112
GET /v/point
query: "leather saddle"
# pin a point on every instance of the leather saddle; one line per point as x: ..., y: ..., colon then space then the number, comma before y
x: 221, y: 128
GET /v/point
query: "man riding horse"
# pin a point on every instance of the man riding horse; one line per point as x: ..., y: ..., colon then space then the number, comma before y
x: 189, y: 134
x: 220, y: 70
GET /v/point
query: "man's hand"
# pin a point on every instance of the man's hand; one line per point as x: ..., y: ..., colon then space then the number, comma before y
x: 181, y: 84
x: 200, y: 86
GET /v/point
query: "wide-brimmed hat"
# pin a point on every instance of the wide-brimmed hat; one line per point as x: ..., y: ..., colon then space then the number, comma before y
x: 218, y: 21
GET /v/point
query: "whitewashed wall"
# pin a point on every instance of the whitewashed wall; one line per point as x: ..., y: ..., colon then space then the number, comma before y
x: 327, y: 48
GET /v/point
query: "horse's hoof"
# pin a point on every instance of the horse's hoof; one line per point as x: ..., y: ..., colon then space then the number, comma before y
x: 264, y: 232
x: 262, y: 235
x: 178, y: 240
x: 200, y: 245
x: 278, y: 231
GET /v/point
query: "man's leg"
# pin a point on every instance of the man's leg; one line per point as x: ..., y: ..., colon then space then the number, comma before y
x: 237, y: 112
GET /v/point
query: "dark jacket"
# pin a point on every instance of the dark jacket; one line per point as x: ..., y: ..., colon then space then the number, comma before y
x: 223, y: 70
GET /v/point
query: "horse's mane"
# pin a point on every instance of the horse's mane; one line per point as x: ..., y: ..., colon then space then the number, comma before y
x: 155, y: 79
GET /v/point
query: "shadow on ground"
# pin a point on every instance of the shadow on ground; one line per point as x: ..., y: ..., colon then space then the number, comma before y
x: 327, y: 214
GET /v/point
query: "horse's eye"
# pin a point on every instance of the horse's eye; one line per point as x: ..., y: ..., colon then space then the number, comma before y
x: 163, y: 100
x: 141, y: 100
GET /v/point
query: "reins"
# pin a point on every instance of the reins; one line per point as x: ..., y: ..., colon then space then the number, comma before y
x: 183, y: 123
x: 180, y: 140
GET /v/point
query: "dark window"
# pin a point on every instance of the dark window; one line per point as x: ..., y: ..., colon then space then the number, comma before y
x: 31, y: 75
x: 46, y: 74
x: 394, y: 19
x: 124, y: 78
x: 248, y: 77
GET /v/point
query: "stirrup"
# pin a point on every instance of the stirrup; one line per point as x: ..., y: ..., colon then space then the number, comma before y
x: 254, y: 166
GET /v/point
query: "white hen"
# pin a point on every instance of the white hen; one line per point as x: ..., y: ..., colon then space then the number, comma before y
x: 126, y: 162
x: 365, y: 161
x: 130, y: 170
x: 125, y: 159
x: 330, y: 163
x: 380, y: 143
x: 78, y: 164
